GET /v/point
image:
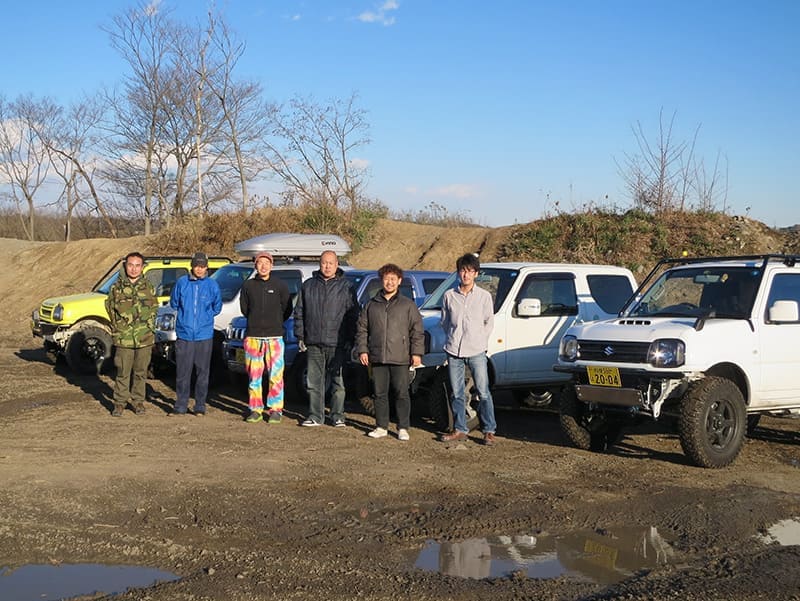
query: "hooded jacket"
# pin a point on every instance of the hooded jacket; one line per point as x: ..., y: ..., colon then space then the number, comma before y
x: 132, y: 308
x: 390, y: 331
x: 197, y: 301
x: 326, y: 311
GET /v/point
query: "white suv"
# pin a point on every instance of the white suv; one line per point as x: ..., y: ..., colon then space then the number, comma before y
x: 534, y: 304
x: 711, y: 343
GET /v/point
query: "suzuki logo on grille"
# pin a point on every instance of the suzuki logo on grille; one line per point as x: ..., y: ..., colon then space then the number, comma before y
x: 608, y: 351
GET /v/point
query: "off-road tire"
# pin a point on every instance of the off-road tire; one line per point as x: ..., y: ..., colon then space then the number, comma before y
x: 712, y: 422
x: 439, y: 407
x: 585, y: 429
x: 88, y: 350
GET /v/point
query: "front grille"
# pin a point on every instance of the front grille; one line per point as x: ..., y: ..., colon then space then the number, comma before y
x: 238, y: 333
x: 46, y: 312
x: 617, y: 352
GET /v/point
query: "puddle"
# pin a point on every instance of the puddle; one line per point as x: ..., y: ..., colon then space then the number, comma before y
x: 602, y: 557
x: 785, y: 533
x: 54, y: 582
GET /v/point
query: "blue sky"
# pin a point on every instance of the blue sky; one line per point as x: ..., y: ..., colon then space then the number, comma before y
x: 503, y: 111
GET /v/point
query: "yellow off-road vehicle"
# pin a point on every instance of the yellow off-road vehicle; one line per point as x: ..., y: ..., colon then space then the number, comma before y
x: 77, y: 326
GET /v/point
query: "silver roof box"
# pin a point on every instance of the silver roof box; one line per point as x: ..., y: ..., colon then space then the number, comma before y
x: 293, y: 245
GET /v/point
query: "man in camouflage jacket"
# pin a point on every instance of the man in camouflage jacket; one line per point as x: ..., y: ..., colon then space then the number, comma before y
x: 132, y: 306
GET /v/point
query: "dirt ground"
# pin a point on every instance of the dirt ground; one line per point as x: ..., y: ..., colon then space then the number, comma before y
x: 245, y: 512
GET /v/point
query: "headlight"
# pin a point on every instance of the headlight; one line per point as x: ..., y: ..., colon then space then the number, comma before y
x: 568, y: 348
x: 58, y: 312
x: 666, y: 353
x: 165, y: 322
x: 35, y: 315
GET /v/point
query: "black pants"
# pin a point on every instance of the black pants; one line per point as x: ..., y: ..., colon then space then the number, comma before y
x: 392, y: 378
x: 192, y: 354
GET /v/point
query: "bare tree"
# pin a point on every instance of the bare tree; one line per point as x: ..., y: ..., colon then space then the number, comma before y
x: 666, y: 175
x: 23, y: 158
x: 245, y: 115
x: 143, y: 37
x: 70, y: 137
x: 312, y: 154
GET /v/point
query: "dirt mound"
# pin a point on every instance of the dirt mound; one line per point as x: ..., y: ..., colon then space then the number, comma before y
x: 38, y: 270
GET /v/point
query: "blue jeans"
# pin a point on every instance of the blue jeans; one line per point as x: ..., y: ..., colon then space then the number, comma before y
x: 480, y: 374
x: 324, y: 373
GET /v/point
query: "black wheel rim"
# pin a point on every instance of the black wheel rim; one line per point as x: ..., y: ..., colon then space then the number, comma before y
x: 721, y: 424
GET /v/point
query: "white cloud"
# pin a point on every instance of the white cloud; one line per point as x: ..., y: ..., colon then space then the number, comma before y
x: 381, y: 15
x: 357, y: 163
x: 455, y: 191
x: 152, y: 8
x: 295, y: 18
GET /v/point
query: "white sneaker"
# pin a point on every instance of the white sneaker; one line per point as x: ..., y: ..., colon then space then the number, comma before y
x: 378, y: 433
x: 402, y: 434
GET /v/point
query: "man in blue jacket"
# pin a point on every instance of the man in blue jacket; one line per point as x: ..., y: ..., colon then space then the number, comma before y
x: 197, y: 300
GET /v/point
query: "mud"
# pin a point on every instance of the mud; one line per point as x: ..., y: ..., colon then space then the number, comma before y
x: 241, y: 511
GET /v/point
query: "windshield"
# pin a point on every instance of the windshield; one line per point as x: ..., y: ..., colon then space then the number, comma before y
x: 496, y: 280
x: 721, y: 291
x: 230, y: 279
x: 106, y: 285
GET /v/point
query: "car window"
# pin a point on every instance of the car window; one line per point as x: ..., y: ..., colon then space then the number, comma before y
x: 293, y: 279
x: 556, y: 292
x: 431, y: 284
x: 370, y: 290
x: 785, y: 286
x: 497, y: 281
x: 610, y: 291
x: 163, y: 279
x: 230, y: 279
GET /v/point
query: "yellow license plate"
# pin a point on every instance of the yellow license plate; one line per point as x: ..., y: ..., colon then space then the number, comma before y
x: 604, y: 376
x: 239, y: 355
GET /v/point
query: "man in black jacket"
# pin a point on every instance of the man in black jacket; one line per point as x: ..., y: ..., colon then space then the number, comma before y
x: 324, y: 324
x: 264, y: 301
x: 390, y: 338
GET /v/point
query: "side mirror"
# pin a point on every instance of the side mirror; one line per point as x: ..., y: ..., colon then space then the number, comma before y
x: 529, y: 307
x: 783, y: 311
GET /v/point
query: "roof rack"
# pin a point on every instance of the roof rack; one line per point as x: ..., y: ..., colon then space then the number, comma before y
x: 789, y: 260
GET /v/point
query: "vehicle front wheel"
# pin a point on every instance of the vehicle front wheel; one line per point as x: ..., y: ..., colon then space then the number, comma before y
x: 88, y: 350
x: 584, y: 428
x: 712, y: 422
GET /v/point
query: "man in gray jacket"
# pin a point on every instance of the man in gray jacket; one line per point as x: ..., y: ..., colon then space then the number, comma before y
x: 390, y: 337
x: 324, y: 324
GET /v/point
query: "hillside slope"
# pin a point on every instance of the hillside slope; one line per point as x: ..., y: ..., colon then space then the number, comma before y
x: 37, y: 270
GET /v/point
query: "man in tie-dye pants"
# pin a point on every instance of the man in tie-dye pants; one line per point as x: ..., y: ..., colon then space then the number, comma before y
x: 264, y: 301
